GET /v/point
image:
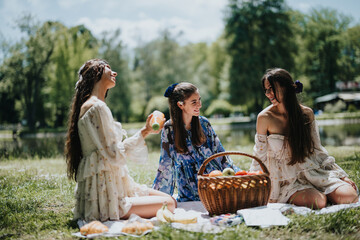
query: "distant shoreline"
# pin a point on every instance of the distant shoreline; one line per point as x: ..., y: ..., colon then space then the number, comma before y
x: 225, y: 123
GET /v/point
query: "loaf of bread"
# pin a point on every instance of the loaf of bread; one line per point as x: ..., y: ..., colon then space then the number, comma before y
x: 93, y: 227
x: 137, y: 227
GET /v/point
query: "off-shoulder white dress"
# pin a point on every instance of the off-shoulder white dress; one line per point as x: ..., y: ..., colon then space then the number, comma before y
x: 319, y: 171
x: 103, y: 181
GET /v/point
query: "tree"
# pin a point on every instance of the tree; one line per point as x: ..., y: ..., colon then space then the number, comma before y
x: 323, y: 33
x: 113, y: 51
x: 350, y: 59
x: 8, y: 113
x: 157, y: 64
x: 259, y: 36
x: 73, y: 46
x: 24, y: 70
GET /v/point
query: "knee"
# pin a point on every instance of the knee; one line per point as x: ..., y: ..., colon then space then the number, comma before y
x: 319, y: 202
x: 171, y: 203
x: 344, y: 195
x: 310, y: 198
x: 347, y: 198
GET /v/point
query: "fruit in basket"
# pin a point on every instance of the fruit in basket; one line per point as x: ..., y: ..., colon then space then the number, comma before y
x: 255, y: 173
x: 228, y: 172
x: 241, y: 172
x: 215, y: 173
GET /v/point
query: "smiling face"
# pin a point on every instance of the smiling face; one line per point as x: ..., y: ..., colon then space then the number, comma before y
x: 191, y: 106
x: 108, y: 77
x: 269, y: 92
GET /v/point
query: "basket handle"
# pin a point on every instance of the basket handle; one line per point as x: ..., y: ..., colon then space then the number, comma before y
x: 202, y: 168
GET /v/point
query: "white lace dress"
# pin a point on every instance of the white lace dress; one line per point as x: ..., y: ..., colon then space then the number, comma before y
x: 319, y: 171
x: 103, y: 181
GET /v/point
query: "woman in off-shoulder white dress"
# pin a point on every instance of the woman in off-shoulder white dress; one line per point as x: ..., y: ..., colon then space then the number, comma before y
x: 97, y: 149
x: 288, y: 143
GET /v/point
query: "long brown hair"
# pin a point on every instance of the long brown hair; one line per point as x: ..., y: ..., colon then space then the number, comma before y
x: 299, y: 130
x: 181, y: 92
x: 89, y: 74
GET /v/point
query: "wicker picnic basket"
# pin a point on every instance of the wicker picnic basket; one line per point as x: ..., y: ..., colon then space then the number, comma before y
x: 231, y: 193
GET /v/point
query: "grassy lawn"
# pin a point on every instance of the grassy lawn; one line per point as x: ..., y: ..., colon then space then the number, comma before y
x: 37, y: 198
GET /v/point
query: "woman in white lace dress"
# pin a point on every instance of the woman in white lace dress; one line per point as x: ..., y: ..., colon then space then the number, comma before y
x: 288, y: 143
x: 97, y: 149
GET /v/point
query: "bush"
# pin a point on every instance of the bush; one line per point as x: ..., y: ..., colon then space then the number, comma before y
x: 352, y: 108
x: 157, y: 103
x: 219, y: 107
x: 339, y: 106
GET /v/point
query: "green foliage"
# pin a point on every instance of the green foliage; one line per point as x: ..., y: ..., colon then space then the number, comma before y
x: 323, y: 35
x: 221, y: 107
x: 337, y: 107
x: 120, y: 97
x: 352, y: 108
x: 158, y: 64
x: 259, y: 37
x: 38, y: 73
x: 157, y: 103
x: 73, y: 46
x: 24, y: 72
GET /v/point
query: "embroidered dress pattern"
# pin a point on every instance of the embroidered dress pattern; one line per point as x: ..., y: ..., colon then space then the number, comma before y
x: 103, y: 181
x: 180, y: 170
x: 318, y: 171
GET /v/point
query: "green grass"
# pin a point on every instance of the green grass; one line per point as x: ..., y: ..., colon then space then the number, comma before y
x: 37, y: 199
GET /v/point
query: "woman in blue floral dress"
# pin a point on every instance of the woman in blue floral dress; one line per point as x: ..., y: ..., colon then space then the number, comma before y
x: 187, y: 139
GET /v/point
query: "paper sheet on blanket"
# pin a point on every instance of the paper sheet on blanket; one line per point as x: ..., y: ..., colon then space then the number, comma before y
x: 263, y: 217
x: 272, y: 213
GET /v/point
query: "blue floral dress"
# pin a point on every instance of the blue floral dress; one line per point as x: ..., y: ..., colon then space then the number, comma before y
x: 181, y: 169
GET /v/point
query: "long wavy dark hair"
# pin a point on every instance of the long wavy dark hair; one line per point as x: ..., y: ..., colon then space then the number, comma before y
x: 181, y: 92
x: 299, y: 129
x: 89, y: 74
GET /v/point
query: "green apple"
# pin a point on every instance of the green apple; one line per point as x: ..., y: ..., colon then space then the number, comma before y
x: 228, y: 172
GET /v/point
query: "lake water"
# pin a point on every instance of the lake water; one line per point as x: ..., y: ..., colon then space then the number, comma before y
x: 332, y: 133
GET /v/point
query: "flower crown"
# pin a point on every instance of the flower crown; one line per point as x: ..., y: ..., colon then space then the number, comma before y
x: 298, y: 86
x: 170, y: 90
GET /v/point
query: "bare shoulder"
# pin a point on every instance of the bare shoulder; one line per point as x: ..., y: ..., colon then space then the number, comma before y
x: 263, y: 121
x: 308, y: 112
x: 265, y: 114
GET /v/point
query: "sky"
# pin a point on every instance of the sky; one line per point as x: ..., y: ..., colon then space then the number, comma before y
x: 141, y: 20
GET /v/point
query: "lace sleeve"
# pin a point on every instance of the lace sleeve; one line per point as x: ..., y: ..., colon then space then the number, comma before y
x: 102, y: 131
x: 135, y: 146
x: 259, y: 151
x: 322, y: 156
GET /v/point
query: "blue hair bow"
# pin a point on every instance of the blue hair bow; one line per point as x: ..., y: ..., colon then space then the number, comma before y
x: 170, y: 90
x: 298, y: 86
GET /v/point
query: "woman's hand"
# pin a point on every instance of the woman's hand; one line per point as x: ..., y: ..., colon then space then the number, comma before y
x: 147, y: 129
x: 348, y: 180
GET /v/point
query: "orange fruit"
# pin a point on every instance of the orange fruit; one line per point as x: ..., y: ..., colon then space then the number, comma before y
x: 241, y: 172
x: 215, y: 173
x: 255, y: 173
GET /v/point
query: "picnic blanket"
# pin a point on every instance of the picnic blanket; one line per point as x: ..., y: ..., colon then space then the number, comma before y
x: 264, y: 216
